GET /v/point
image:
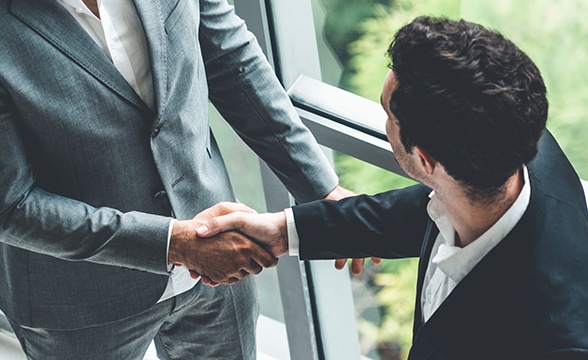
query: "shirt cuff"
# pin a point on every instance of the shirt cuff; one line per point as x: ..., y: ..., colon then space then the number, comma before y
x: 293, y: 241
x: 170, y: 267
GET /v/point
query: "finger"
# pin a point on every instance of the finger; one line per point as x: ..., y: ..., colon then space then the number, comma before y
x: 262, y: 257
x: 221, y: 223
x: 194, y: 275
x: 204, y: 279
x: 210, y: 283
x: 220, y: 209
x: 254, y: 268
x: 207, y: 281
x: 230, y: 207
x: 376, y: 260
x: 340, y: 263
x: 339, y: 193
x: 357, y: 266
x: 232, y: 281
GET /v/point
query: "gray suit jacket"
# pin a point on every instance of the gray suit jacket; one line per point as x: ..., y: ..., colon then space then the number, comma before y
x: 90, y: 176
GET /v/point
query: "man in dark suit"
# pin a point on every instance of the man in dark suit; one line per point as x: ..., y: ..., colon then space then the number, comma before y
x: 106, y: 156
x: 499, y: 220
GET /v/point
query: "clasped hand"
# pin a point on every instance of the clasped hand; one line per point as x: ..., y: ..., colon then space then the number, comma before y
x: 229, y: 241
x: 223, y: 258
x: 268, y: 230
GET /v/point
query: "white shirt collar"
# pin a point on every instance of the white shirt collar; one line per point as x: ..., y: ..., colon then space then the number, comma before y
x: 120, y: 35
x: 457, y: 262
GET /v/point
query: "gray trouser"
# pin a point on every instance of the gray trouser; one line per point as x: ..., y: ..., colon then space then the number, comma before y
x: 203, y: 323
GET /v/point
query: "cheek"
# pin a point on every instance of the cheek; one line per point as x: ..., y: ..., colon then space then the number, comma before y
x: 392, y: 133
x: 389, y: 133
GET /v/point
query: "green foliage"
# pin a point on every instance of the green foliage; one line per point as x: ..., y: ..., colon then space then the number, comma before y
x: 391, y: 286
x: 368, y: 62
x: 397, y: 298
x: 341, y: 20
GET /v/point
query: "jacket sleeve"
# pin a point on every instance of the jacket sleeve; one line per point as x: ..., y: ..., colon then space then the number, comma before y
x: 566, y: 354
x: 39, y: 221
x: 245, y: 90
x: 388, y: 225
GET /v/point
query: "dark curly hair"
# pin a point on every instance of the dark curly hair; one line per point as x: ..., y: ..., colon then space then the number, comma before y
x: 470, y: 97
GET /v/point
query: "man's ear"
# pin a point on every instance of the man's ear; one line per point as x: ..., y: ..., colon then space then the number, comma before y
x: 425, y: 160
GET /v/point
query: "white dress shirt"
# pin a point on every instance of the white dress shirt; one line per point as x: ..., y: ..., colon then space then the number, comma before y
x: 448, y: 264
x: 119, y: 33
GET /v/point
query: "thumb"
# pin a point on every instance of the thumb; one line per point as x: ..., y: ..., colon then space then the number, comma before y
x: 232, y: 221
x: 205, y: 231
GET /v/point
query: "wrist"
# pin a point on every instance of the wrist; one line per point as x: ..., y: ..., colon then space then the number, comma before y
x: 339, y: 193
x: 179, y: 233
x: 280, y: 220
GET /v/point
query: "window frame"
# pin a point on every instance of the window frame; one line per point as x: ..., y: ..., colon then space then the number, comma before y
x: 317, y: 299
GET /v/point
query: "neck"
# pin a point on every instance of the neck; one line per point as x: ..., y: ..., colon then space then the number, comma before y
x: 93, y: 6
x: 472, y: 219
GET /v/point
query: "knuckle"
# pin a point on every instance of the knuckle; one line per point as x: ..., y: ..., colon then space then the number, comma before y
x: 221, y: 207
x: 213, y: 223
x: 271, y: 263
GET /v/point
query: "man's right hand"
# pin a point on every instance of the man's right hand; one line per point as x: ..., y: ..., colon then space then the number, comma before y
x: 221, y: 259
x: 268, y: 229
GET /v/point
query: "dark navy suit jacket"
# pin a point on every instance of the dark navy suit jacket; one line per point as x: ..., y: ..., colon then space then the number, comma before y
x: 526, y: 299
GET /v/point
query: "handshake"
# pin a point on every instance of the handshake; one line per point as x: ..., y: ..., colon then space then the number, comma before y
x: 228, y: 242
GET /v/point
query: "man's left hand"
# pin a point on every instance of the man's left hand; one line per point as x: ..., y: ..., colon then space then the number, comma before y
x: 356, y: 264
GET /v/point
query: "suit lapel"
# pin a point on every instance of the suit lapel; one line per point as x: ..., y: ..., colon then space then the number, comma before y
x: 423, y: 348
x: 469, y: 312
x: 153, y: 25
x: 430, y: 236
x: 459, y: 309
x: 51, y: 21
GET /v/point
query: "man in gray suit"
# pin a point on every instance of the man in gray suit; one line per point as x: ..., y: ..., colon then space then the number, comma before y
x: 104, y: 142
